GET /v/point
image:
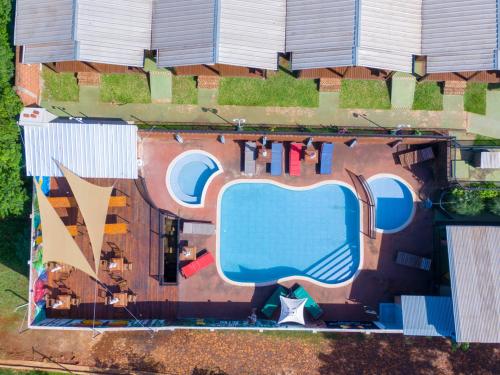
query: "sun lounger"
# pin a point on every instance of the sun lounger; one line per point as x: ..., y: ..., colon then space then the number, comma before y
x: 68, y: 202
x: 196, y: 265
x: 273, y: 301
x: 276, y: 159
x: 325, y: 164
x: 119, y: 228
x: 206, y: 229
x: 250, y: 156
x: 413, y: 261
x: 295, y: 154
x: 311, y: 305
x: 409, y: 158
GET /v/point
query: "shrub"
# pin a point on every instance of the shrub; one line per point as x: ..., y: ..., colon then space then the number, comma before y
x: 466, y: 202
x: 494, y: 206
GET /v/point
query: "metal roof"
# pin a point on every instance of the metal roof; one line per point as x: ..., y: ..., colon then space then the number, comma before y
x: 474, y: 257
x: 251, y: 33
x: 53, y: 52
x: 183, y: 32
x: 321, y: 33
x: 89, y: 150
x: 427, y: 316
x: 460, y: 35
x: 389, y: 34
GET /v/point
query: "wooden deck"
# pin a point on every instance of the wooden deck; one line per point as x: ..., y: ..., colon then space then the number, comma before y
x: 140, y: 246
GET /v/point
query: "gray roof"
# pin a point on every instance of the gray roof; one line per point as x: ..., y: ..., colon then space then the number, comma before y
x: 427, y: 316
x: 89, y: 150
x: 102, y: 31
x: 321, y: 33
x: 474, y: 257
x: 389, y: 34
x: 183, y: 32
x: 251, y: 33
x: 460, y: 35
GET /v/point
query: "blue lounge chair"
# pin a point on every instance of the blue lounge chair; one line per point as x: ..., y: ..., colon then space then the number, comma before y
x: 276, y: 159
x: 325, y: 165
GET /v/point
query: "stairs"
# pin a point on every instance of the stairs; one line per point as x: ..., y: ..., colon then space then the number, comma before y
x: 330, y: 84
x: 88, y: 79
x: 208, y: 82
x: 454, y: 87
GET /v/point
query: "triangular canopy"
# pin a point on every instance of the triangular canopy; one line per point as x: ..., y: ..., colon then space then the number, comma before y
x: 58, y: 245
x: 292, y: 310
x: 93, y: 202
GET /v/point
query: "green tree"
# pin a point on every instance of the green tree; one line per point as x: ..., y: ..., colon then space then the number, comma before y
x: 466, y: 202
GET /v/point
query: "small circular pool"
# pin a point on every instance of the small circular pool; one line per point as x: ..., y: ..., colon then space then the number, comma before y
x: 394, y: 206
x: 189, y: 175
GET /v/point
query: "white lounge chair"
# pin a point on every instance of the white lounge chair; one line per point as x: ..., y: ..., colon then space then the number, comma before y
x: 413, y: 261
x: 205, y: 229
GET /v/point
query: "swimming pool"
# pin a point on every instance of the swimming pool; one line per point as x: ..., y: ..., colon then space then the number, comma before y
x: 269, y: 232
x: 394, y: 206
x: 189, y: 175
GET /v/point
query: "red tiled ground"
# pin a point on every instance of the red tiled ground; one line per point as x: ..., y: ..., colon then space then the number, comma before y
x: 208, y: 295
x: 27, y: 81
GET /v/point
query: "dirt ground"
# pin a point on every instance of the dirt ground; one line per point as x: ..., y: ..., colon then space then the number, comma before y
x: 203, y: 352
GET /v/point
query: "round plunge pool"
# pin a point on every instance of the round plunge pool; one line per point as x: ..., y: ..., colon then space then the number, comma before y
x: 394, y: 202
x: 189, y: 175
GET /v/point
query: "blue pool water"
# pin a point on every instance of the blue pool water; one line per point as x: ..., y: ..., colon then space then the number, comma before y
x: 393, y: 203
x: 268, y: 232
x: 190, y: 175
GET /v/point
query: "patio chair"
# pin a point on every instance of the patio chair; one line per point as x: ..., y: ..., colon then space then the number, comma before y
x: 205, y: 229
x: 75, y: 302
x: 325, y: 164
x: 122, y: 284
x: 413, y: 261
x: 128, y: 266
x: 197, y: 265
x: 273, y: 301
x: 104, y: 265
x: 132, y: 298
x: 294, y: 159
x: 276, y: 159
x: 250, y: 156
x: 299, y: 292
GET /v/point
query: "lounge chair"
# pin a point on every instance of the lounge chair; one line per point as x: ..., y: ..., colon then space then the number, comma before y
x: 409, y: 158
x: 67, y: 202
x: 273, y: 301
x: 413, y: 261
x: 311, y: 305
x: 295, y: 154
x: 119, y: 228
x: 325, y: 164
x: 206, y: 229
x: 250, y: 156
x: 276, y: 159
x: 196, y: 265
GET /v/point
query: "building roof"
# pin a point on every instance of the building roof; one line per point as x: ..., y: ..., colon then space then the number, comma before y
x: 474, y: 257
x: 93, y: 150
x: 183, y: 32
x: 321, y: 33
x: 389, y: 34
x: 251, y: 33
x: 427, y: 316
x: 102, y: 31
x: 460, y: 35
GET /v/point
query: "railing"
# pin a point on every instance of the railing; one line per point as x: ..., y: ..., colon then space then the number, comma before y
x: 366, y: 197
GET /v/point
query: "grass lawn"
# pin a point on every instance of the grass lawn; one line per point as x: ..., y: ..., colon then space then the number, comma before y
x: 428, y: 97
x: 279, y: 90
x: 59, y: 86
x: 184, y: 90
x: 125, y: 88
x: 475, y: 97
x: 364, y: 94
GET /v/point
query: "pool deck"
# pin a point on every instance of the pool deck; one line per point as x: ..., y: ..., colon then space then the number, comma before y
x: 207, y: 295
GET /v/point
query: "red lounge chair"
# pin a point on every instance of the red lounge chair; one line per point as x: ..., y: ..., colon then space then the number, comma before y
x: 196, y: 265
x: 295, y: 154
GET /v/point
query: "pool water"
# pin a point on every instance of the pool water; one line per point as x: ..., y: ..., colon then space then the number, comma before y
x: 189, y: 175
x: 269, y: 232
x: 393, y: 203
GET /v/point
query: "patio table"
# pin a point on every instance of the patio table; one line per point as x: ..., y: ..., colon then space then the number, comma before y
x: 122, y: 299
x: 63, y: 302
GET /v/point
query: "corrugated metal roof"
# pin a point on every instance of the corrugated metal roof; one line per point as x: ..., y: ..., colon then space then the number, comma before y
x: 183, y: 32
x: 89, y: 150
x: 460, y: 35
x: 389, y: 34
x: 251, y: 33
x: 474, y: 257
x: 56, y: 51
x: 43, y: 21
x: 321, y: 33
x: 427, y: 316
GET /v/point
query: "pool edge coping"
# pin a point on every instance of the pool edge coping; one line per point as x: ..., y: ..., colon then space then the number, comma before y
x: 288, y: 278
x: 207, y: 184
x: 413, y: 195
